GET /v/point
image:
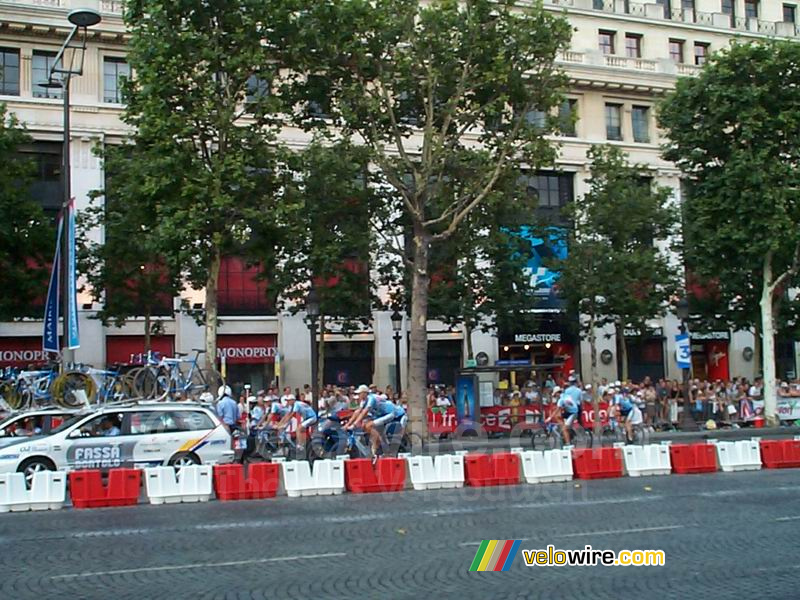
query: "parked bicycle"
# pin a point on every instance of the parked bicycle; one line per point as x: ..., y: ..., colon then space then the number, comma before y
x: 179, y: 375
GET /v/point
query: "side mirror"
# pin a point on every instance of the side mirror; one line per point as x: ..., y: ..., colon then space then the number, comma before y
x: 75, y: 433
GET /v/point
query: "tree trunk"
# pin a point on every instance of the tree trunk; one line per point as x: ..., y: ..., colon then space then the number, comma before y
x: 593, y: 378
x: 468, y: 335
x: 418, y: 351
x: 758, y: 350
x: 321, y: 355
x: 211, y: 309
x: 623, y: 352
x: 146, y: 331
x: 768, y: 342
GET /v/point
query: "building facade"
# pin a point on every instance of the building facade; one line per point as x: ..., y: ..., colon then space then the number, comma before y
x: 624, y: 56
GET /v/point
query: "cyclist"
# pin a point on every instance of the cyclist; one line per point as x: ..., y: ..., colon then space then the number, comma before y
x: 570, y: 405
x: 375, y: 413
x: 307, y: 417
x: 629, y: 413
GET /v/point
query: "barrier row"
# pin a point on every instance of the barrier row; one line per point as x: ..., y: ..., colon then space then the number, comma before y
x: 328, y: 477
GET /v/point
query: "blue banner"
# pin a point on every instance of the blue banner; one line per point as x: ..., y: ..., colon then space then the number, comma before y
x: 73, y: 337
x: 683, y: 351
x: 50, y: 335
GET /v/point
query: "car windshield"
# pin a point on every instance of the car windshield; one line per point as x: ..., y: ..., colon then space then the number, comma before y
x: 68, y: 423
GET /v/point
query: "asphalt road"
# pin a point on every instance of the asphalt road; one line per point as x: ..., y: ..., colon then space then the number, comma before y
x: 726, y: 535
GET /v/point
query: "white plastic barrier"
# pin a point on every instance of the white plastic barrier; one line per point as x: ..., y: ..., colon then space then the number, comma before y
x: 326, y: 479
x: 48, y: 491
x: 190, y: 484
x: 743, y: 455
x: 547, y: 466
x: 434, y: 473
x: 646, y: 460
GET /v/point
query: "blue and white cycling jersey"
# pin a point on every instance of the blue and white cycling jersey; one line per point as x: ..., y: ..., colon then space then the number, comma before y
x: 277, y: 409
x: 625, y: 404
x: 378, y: 408
x: 571, y: 399
x: 304, y: 410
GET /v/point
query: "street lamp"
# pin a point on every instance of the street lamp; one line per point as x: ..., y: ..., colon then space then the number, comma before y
x: 397, y: 324
x: 60, y: 76
x: 687, y: 421
x: 312, y: 311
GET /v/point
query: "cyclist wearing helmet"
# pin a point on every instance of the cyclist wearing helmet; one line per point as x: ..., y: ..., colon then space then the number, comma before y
x: 629, y: 413
x: 570, y: 405
x: 304, y: 412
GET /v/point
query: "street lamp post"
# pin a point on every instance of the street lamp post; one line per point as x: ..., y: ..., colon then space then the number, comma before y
x: 687, y: 421
x: 312, y: 311
x: 397, y: 324
x: 60, y: 76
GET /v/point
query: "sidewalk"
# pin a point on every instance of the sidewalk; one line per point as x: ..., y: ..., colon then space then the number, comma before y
x: 473, y: 444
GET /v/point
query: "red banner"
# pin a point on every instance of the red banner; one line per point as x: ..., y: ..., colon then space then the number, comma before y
x: 21, y: 351
x: 247, y: 348
x: 499, y: 419
x: 442, y: 421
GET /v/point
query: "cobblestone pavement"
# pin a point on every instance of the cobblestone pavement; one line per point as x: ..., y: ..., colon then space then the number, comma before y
x: 726, y: 535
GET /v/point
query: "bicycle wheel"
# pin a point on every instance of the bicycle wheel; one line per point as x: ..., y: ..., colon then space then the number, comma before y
x: 65, y: 385
x: 144, y: 382
x: 11, y: 396
x: 204, y: 380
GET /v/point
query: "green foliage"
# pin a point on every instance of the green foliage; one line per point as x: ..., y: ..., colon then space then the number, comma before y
x: 324, y: 219
x: 614, y: 270
x: 735, y: 131
x: 27, y: 239
x: 125, y: 271
x: 209, y: 144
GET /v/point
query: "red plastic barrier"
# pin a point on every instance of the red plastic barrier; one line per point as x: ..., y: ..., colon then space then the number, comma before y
x: 229, y: 483
x: 87, y: 490
x: 597, y: 463
x: 693, y: 458
x: 482, y: 470
x: 780, y: 454
x: 262, y: 481
x: 387, y: 475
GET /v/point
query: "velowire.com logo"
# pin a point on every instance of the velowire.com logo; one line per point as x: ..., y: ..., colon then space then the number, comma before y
x: 495, y: 555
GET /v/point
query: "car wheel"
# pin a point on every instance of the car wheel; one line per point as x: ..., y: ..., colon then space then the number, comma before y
x: 184, y: 459
x: 34, y: 465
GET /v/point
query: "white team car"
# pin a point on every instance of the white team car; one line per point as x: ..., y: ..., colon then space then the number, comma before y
x: 135, y: 435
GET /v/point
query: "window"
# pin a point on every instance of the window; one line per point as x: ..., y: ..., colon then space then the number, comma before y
x: 607, y: 42
x: 687, y: 5
x: 789, y: 13
x: 552, y: 190
x: 676, y: 50
x: 667, y: 5
x: 114, y: 71
x: 257, y: 88
x: 45, y: 188
x: 242, y: 289
x: 641, y: 124
x: 633, y: 45
x: 700, y: 53
x: 319, y: 103
x: 537, y: 118
x: 104, y: 425
x: 598, y: 4
x: 40, y: 73
x: 751, y: 9
x: 192, y: 420
x: 614, y: 121
x: 146, y: 422
x: 567, y: 116
x: 729, y: 8
x: 9, y: 72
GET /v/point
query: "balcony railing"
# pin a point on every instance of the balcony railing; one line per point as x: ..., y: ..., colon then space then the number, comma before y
x: 666, y: 67
x: 106, y: 6
x: 652, y: 10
